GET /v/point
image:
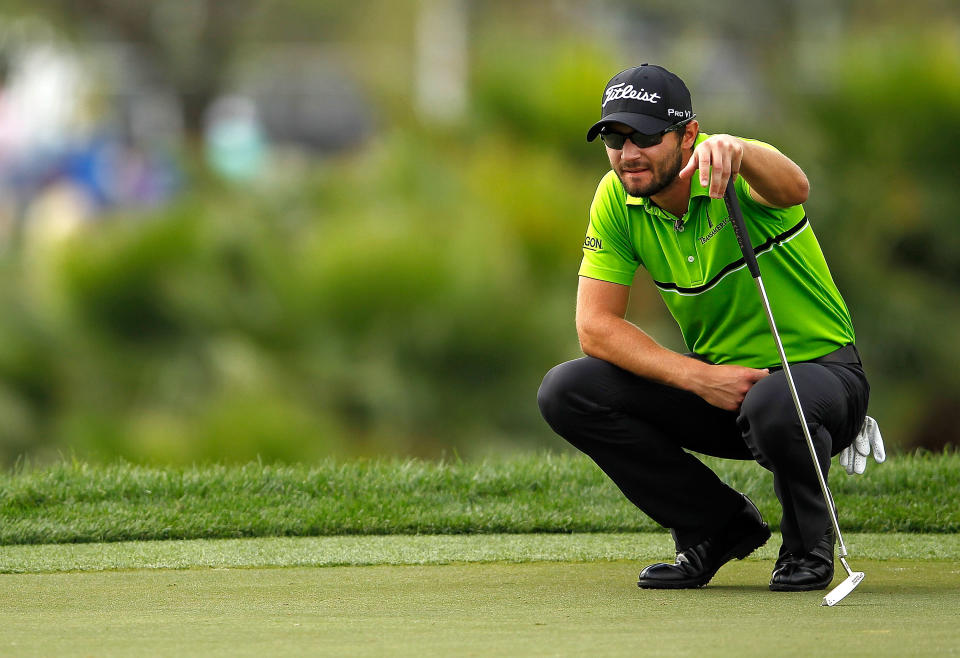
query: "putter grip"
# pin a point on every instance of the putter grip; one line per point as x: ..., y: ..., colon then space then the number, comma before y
x: 740, y: 229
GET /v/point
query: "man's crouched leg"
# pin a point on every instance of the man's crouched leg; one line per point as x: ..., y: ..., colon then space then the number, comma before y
x: 697, y: 564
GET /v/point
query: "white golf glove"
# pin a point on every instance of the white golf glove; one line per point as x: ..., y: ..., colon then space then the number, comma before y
x: 854, y: 457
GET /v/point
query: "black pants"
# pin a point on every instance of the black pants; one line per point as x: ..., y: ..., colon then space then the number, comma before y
x: 639, y: 432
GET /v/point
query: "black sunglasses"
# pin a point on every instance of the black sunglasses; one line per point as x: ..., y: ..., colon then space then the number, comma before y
x: 616, y: 140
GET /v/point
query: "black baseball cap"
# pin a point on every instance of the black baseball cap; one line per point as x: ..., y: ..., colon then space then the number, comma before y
x: 648, y: 98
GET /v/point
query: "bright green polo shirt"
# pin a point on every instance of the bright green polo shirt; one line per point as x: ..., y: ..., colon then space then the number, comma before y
x: 701, y: 275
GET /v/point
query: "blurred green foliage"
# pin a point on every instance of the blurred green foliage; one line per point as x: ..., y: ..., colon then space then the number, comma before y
x: 541, y: 93
x: 887, y: 131
x: 407, y: 297
x: 388, y: 302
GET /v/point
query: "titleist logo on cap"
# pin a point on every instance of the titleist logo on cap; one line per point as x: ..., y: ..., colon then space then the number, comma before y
x: 619, y: 91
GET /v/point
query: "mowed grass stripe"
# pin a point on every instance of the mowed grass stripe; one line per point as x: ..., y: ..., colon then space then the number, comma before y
x: 532, y: 493
x: 903, y: 608
x: 417, y: 550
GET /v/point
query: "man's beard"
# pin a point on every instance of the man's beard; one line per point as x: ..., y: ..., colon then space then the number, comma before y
x: 664, y: 173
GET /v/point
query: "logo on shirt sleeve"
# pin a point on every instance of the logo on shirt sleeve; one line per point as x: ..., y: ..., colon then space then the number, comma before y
x: 593, y: 244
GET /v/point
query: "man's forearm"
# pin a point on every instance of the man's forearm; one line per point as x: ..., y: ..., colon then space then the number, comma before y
x: 625, y: 345
x: 773, y: 176
x: 621, y: 343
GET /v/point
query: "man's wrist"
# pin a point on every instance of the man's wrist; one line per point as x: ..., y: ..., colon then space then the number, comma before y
x: 691, y: 375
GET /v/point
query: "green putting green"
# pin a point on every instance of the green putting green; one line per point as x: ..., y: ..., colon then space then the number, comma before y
x: 904, y: 607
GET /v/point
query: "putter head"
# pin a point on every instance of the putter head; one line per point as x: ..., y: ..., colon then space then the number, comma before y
x: 840, y: 591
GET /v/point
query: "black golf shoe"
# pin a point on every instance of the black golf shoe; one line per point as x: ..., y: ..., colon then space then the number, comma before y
x: 803, y: 573
x: 696, y: 565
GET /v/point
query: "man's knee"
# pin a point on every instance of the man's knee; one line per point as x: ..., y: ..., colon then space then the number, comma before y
x: 569, y: 388
x: 555, y: 391
x: 768, y: 420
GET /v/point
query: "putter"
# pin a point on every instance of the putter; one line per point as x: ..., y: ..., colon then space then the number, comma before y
x: 853, y: 578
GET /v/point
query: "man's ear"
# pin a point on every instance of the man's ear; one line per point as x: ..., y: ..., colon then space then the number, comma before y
x: 690, y: 132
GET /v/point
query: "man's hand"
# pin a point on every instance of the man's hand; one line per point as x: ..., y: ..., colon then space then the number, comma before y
x: 854, y: 456
x: 718, y: 158
x: 726, y: 386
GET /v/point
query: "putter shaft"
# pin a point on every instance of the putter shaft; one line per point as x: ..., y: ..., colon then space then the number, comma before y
x: 854, y: 578
x: 827, y: 496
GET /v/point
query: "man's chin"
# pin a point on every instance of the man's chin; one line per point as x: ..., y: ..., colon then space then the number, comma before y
x: 640, y: 190
x: 637, y: 190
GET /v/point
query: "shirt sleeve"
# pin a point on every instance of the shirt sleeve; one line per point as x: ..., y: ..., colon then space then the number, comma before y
x: 608, y: 252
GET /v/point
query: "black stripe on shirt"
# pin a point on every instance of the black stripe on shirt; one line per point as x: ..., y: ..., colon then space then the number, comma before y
x: 737, y: 264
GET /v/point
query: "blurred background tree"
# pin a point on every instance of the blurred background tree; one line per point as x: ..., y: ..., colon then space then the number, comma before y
x: 286, y: 229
